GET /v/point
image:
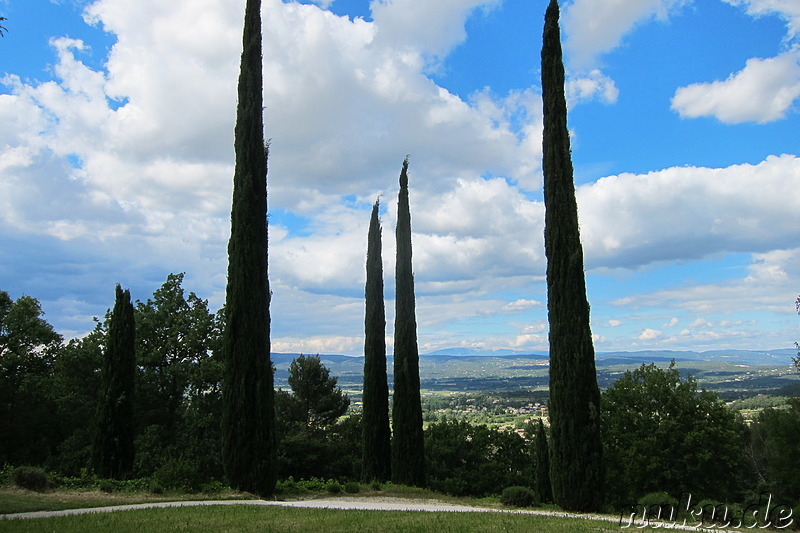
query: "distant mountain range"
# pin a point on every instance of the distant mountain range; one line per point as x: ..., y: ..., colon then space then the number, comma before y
x: 743, y: 357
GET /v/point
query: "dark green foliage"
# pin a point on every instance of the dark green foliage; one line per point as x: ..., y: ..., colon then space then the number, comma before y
x: 305, y: 452
x: 113, y: 447
x: 377, y: 448
x: 29, y: 432
x: 467, y: 460
x: 663, y: 435
x: 30, y: 478
x: 319, y: 402
x: 249, y: 431
x: 178, y: 384
x: 334, y: 487
x: 543, y: 487
x: 575, y: 447
x: 352, y: 487
x: 518, y: 496
x: 408, y: 444
x: 776, y: 450
x: 76, y: 387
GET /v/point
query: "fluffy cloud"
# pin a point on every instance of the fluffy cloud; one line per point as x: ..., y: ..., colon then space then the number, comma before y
x: 761, y: 92
x: 688, y: 213
x: 594, y: 27
x: 789, y: 10
x: 431, y: 28
x: 594, y: 85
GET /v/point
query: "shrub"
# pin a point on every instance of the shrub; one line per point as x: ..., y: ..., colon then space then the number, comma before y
x: 352, y: 487
x: 334, y: 487
x: 213, y: 487
x: 518, y: 496
x: 155, y: 487
x: 106, y: 485
x: 375, y: 486
x: 30, y: 478
x: 659, y: 505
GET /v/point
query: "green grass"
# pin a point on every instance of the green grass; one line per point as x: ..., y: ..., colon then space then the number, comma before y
x: 280, y: 519
x: 15, y: 500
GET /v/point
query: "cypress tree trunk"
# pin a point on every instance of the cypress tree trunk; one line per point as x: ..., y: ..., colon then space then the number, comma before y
x: 377, y: 450
x: 112, y: 449
x: 543, y: 486
x: 408, y: 447
x: 575, y: 446
x: 248, y: 418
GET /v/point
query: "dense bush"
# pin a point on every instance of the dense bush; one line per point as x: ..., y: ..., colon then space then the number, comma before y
x: 352, y: 487
x: 467, y: 460
x: 661, y: 433
x: 518, y: 496
x: 334, y: 487
x: 30, y: 478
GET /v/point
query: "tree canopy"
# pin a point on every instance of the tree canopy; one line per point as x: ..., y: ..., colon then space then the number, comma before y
x: 663, y: 434
x: 317, y: 398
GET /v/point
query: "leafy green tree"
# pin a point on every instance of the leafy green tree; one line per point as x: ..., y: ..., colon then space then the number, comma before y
x: 28, y: 345
x: 377, y: 438
x: 318, y: 400
x: 249, y: 430
x: 179, y: 380
x: 544, y: 488
x: 75, y: 391
x: 408, y: 442
x: 576, y: 450
x: 174, y: 334
x: 776, y: 446
x: 113, y: 449
x: 663, y: 435
x: 465, y: 459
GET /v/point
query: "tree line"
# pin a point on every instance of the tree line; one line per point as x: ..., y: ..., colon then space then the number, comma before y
x: 660, y: 432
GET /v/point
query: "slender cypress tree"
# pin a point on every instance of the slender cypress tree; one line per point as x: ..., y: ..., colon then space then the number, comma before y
x: 575, y: 446
x: 377, y: 440
x: 112, y: 450
x: 248, y: 418
x: 408, y: 446
x: 543, y: 487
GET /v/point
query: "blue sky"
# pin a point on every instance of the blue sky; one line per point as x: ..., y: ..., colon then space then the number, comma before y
x: 116, y: 160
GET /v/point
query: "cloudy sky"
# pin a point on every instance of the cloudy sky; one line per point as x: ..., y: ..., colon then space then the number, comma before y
x: 116, y: 161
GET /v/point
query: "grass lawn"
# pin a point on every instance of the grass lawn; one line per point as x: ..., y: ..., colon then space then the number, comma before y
x: 283, y: 519
x: 16, y: 500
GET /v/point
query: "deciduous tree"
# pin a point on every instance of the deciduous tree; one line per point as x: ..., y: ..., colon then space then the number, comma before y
x: 377, y: 451
x: 575, y: 447
x: 408, y: 442
x: 28, y: 344
x: 249, y: 431
x: 662, y: 434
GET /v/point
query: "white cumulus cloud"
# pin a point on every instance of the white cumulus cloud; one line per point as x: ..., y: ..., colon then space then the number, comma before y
x: 763, y: 91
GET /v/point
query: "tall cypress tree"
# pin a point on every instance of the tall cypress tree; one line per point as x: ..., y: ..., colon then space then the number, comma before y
x: 377, y: 447
x: 408, y: 446
x: 248, y: 419
x: 112, y: 449
x: 543, y: 486
x: 575, y: 446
